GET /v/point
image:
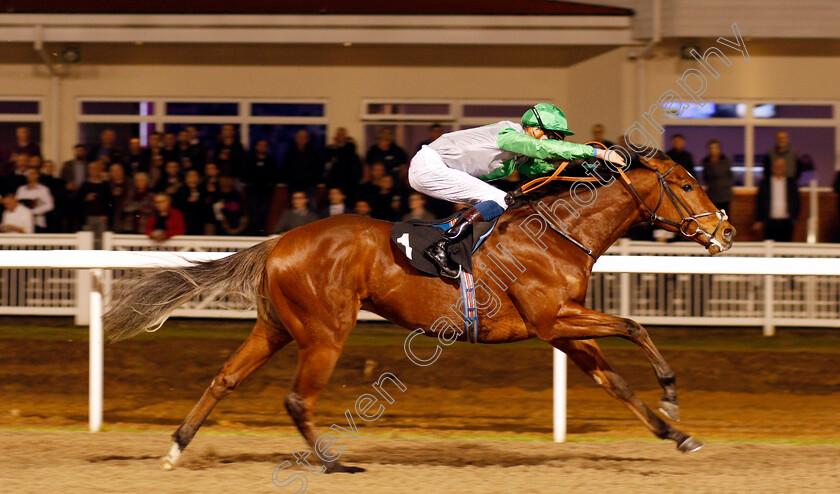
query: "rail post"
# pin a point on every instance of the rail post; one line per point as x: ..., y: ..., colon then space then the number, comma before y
x: 769, y: 327
x: 84, y: 241
x: 624, y: 281
x: 559, y: 396
x: 96, y: 348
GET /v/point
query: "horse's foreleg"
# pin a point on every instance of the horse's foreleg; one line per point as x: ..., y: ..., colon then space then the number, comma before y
x: 587, y: 355
x: 578, y: 322
x: 261, y: 344
x: 315, y: 366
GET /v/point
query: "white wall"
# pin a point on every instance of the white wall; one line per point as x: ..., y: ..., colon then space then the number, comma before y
x: 592, y: 84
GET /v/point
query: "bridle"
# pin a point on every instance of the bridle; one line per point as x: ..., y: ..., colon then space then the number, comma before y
x: 684, y: 226
x: 688, y: 218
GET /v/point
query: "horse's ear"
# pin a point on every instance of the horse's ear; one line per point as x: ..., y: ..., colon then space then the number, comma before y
x: 658, y: 161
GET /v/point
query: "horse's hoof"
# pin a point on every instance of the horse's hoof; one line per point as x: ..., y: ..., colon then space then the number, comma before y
x: 670, y: 410
x: 339, y: 468
x: 166, y: 464
x: 689, y: 445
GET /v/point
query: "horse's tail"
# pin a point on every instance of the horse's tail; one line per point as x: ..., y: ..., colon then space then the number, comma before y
x: 143, y: 303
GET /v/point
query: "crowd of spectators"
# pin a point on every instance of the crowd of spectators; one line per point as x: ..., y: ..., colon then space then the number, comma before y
x: 179, y: 185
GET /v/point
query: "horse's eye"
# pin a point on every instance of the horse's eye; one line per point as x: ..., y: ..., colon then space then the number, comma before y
x: 687, y: 187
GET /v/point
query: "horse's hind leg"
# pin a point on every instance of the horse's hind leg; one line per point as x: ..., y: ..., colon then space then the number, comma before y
x: 262, y: 343
x: 587, y: 355
x: 315, y: 366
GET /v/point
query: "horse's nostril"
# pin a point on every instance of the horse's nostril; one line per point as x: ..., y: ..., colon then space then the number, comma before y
x: 728, y: 233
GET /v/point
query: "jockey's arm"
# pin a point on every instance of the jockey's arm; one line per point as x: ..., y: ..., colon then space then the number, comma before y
x: 544, y: 149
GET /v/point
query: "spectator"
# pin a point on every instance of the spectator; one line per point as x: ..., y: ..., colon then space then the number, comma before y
x: 229, y: 154
x: 155, y: 147
x: 417, y: 208
x: 370, y: 189
x: 57, y: 187
x: 139, y: 205
x: 190, y: 201
x: 24, y: 144
x: 198, y: 147
x: 171, y: 180
x: 169, y: 151
x: 137, y: 159
x: 36, y: 197
x: 165, y: 222
x: 120, y: 192
x: 6, y: 167
x: 74, y: 172
x: 17, y: 218
x: 302, y: 166
x: 837, y: 193
x: 189, y: 154
x: 598, y: 135
x: 344, y: 168
x: 156, y: 169
x: 337, y: 203
x: 18, y: 176
x: 387, y: 152
x: 362, y: 208
x: 299, y: 215
x: 94, y: 200
x: 382, y: 208
x: 260, y: 177
x: 679, y: 155
x: 435, y: 131
x: 107, y: 149
x: 777, y: 203
x: 717, y: 174
x: 35, y: 161
x: 782, y: 150
x: 229, y: 209
x: 211, y: 179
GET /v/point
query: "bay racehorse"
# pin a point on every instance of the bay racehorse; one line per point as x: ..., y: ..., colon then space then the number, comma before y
x: 310, y: 283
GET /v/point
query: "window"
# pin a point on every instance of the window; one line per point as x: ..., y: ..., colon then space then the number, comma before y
x: 276, y: 121
x: 697, y: 138
x: 708, y: 110
x: 411, y: 120
x: 793, y: 111
x: 203, y: 109
x: 814, y: 146
x: 748, y: 133
x: 19, y: 112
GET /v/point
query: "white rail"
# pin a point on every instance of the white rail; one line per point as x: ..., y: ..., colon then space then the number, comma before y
x: 696, y: 299
x: 97, y: 261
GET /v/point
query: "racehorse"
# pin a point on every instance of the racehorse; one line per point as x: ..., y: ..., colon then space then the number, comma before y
x: 310, y: 284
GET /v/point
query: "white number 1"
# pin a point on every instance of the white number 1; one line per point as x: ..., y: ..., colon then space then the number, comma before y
x: 404, y: 241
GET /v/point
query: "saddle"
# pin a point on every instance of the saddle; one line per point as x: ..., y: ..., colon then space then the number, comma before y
x: 413, y: 237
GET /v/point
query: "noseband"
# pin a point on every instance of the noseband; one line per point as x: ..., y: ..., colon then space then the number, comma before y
x: 684, y: 226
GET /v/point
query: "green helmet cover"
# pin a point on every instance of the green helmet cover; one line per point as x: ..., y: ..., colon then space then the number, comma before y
x: 552, y: 118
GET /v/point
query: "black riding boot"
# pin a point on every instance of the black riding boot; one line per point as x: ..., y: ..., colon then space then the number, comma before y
x: 438, y: 254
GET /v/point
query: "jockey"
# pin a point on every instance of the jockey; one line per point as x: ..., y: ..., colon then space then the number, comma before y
x: 456, y: 167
